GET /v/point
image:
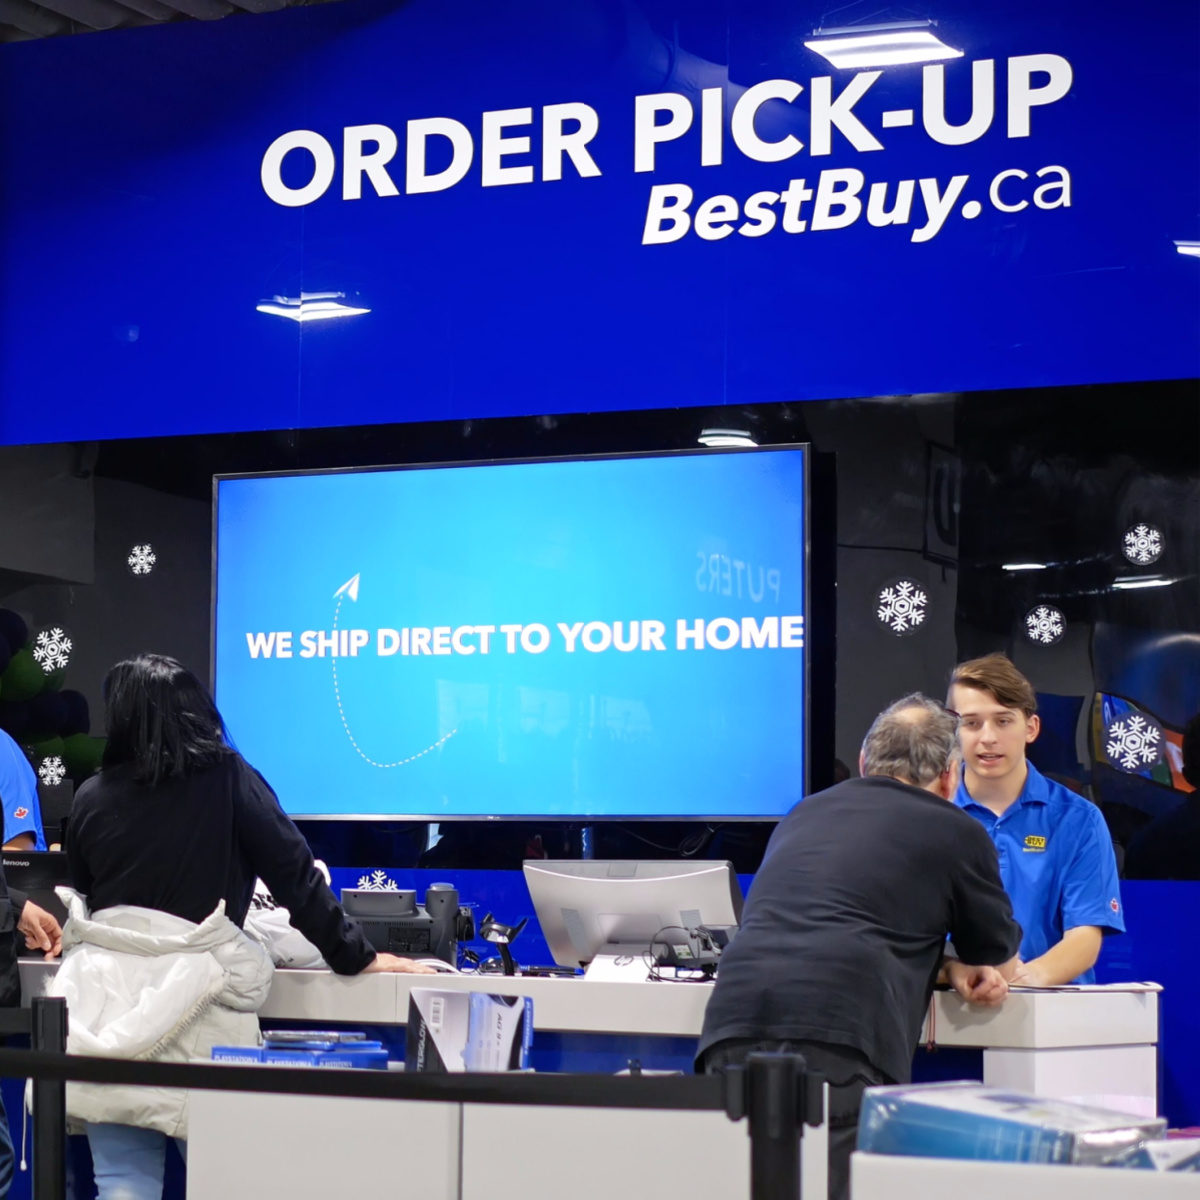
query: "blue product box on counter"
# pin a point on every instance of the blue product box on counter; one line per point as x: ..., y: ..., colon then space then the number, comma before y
x: 371, y: 1060
x: 250, y: 1056
x: 364, y: 1055
x: 968, y: 1120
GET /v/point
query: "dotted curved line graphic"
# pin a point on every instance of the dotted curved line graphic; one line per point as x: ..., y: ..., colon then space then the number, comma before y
x: 346, y: 724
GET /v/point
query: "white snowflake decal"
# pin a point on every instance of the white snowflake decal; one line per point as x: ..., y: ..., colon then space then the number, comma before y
x: 1143, y: 545
x: 141, y: 559
x: 52, y: 771
x: 902, y: 606
x: 1045, y: 624
x: 377, y: 881
x: 1134, y: 742
x: 52, y: 650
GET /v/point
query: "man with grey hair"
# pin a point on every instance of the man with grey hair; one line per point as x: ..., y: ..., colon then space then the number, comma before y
x: 844, y: 930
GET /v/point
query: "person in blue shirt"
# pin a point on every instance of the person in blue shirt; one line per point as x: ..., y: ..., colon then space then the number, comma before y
x: 19, y: 799
x: 1056, y: 855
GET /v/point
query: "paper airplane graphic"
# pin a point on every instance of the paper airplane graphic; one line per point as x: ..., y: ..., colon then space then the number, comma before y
x: 349, y: 588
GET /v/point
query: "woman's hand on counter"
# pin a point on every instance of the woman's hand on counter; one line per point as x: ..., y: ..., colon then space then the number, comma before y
x: 393, y: 963
x: 40, y: 930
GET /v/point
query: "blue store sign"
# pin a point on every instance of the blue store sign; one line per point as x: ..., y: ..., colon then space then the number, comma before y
x: 375, y: 211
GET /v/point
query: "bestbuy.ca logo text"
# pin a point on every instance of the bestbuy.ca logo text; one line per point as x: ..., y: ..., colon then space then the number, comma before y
x: 761, y: 122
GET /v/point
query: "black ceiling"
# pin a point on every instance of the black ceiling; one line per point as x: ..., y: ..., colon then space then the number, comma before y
x: 24, y: 19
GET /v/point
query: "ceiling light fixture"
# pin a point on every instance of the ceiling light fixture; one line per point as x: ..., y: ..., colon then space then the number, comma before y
x: 726, y: 437
x: 1192, y: 249
x: 1023, y: 567
x: 893, y: 44
x: 1129, y: 582
x: 310, y: 306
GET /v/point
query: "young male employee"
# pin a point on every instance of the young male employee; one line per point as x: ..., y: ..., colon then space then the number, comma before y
x: 1056, y: 856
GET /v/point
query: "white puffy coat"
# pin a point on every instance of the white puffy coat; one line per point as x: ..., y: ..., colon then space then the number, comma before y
x: 140, y: 983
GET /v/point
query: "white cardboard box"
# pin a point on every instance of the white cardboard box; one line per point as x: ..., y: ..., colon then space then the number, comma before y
x: 890, y: 1177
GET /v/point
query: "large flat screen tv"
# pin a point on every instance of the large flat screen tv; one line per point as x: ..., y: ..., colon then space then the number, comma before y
x: 611, y: 637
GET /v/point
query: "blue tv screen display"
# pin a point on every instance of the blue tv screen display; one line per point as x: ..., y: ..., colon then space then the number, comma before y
x: 606, y: 637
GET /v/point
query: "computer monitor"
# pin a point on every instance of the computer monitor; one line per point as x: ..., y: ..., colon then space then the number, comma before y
x: 600, y: 638
x: 587, y: 908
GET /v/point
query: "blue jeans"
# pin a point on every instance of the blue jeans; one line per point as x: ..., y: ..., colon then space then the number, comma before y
x: 129, y: 1162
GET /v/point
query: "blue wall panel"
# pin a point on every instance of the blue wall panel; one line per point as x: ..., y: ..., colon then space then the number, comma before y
x: 1162, y: 918
x: 136, y: 238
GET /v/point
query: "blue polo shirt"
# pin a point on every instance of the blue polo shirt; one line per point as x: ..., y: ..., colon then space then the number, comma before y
x: 18, y: 794
x: 1056, y: 861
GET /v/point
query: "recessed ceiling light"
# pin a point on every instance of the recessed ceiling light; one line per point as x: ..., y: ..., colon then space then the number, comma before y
x: 889, y: 45
x: 1130, y: 582
x: 310, y: 306
x: 726, y: 437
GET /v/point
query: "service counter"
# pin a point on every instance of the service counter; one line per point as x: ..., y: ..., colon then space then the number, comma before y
x: 1098, y: 1046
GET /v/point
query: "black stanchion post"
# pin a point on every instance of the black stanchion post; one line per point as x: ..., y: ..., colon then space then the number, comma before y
x: 773, y: 1106
x: 49, y: 1033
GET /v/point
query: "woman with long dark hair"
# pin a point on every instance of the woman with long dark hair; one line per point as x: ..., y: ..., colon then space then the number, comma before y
x: 164, y: 846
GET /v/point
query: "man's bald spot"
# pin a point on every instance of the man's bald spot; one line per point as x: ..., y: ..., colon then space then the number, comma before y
x: 914, y: 740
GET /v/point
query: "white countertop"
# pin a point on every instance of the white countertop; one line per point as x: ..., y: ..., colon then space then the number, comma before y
x: 1048, y: 1019
x: 1026, y: 1020
x: 586, y: 1006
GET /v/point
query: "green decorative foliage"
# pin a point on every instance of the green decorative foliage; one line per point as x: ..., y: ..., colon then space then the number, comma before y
x: 50, y: 748
x: 82, y: 754
x: 23, y: 678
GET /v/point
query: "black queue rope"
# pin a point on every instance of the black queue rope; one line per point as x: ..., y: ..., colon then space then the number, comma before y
x: 773, y: 1091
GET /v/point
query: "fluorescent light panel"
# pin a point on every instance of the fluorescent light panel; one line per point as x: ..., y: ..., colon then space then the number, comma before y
x: 726, y: 437
x: 883, y: 48
x: 1192, y: 249
x: 1024, y: 566
x: 1142, y: 581
x: 310, y: 306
